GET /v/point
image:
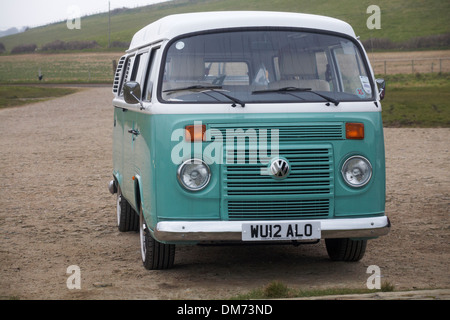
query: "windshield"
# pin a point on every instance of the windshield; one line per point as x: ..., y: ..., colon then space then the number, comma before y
x: 264, y: 66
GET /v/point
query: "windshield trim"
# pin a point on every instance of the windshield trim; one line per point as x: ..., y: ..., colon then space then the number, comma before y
x: 357, y: 44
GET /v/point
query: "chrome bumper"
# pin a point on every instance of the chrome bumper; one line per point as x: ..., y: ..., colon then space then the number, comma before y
x: 112, y: 187
x: 171, y: 231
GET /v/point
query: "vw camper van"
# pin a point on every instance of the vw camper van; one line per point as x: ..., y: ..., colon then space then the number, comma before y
x: 248, y: 127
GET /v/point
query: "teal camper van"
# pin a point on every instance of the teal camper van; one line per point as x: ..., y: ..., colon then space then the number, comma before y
x: 248, y: 127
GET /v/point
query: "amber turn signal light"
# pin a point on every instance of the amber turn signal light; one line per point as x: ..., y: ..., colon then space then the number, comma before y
x: 195, y: 133
x: 354, y: 131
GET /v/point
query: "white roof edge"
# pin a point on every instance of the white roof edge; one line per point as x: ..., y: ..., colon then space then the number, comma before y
x: 177, y: 24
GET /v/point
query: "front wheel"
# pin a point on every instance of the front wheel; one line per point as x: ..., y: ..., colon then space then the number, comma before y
x: 345, y: 249
x: 155, y: 255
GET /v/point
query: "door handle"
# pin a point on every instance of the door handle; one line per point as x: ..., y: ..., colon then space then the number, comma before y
x: 135, y: 132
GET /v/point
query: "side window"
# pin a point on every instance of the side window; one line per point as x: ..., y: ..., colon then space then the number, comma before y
x: 134, y: 67
x: 139, y: 67
x: 150, y: 76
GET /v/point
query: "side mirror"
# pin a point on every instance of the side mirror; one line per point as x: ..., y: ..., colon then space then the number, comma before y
x: 381, y: 84
x: 132, y: 92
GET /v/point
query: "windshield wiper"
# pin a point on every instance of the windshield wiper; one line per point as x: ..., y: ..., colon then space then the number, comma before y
x: 203, y: 88
x: 295, y: 89
x: 193, y: 88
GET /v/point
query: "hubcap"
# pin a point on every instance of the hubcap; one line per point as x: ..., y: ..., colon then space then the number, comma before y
x: 119, y: 207
x: 143, y: 238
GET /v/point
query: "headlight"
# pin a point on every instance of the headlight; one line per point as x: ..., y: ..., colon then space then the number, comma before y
x: 194, y: 174
x: 357, y: 171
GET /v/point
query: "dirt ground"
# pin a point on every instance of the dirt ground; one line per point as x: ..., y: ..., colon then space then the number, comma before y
x: 56, y: 212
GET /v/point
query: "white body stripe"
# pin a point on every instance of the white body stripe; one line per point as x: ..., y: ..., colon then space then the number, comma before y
x: 226, y: 108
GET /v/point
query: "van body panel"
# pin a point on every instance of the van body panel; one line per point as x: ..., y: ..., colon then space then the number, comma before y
x: 157, y: 170
x: 210, y: 203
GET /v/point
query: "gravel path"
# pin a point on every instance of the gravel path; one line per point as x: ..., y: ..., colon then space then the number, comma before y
x: 56, y: 211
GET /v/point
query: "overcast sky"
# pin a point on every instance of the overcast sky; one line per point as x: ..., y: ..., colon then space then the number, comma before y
x: 33, y: 13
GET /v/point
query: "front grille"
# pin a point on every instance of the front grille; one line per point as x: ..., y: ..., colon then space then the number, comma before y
x: 307, y: 192
x: 250, y: 193
x: 284, y: 209
x: 311, y: 174
x: 287, y: 134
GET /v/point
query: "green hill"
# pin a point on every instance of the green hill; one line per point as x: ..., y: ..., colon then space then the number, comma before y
x: 401, y: 20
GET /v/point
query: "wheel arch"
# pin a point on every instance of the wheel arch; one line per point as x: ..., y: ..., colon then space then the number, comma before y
x: 138, y: 196
x: 117, y: 179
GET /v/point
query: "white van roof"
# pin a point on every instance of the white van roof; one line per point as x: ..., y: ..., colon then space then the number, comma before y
x: 178, y: 24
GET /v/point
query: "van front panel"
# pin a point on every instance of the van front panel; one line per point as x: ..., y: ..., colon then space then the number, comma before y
x: 241, y: 186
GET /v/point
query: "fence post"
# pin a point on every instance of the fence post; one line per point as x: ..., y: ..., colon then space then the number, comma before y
x: 384, y: 66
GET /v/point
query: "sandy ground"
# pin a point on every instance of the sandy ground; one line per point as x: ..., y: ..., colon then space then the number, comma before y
x: 56, y: 211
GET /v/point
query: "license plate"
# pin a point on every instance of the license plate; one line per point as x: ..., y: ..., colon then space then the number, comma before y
x: 307, y: 230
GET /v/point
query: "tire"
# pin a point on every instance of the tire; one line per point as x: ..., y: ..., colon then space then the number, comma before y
x: 155, y: 255
x: 345, y: 249
x: 127, y: 218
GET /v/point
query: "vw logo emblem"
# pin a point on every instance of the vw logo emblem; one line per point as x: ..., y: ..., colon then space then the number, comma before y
x: 280, y: 168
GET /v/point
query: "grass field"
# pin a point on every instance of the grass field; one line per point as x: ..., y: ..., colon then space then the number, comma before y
x: 14, y: 96
x: 420, y: 100
x: 279, y: 290
x: 400, y: 19
x: 58, y: 68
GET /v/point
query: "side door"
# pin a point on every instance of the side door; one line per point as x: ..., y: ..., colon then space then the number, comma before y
x: 131, y: 132
x: 144, y: 145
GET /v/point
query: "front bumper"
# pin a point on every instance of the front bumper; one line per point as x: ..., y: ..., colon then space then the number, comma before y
x: 198, y: 231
